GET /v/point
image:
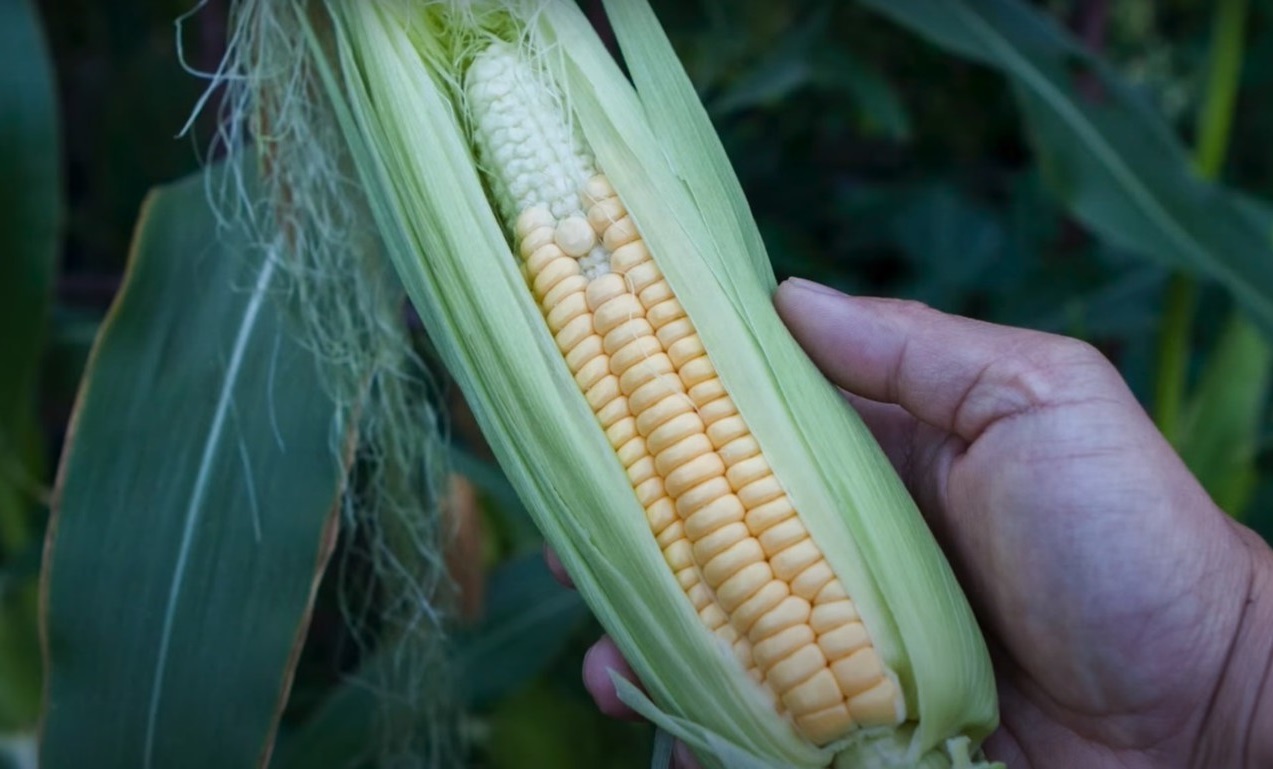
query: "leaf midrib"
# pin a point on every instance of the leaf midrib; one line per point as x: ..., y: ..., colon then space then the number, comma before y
x: 194, y: 507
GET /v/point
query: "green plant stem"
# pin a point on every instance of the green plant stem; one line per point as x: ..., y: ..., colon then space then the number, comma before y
x: 1173, y: 352
x: 1215, y: 122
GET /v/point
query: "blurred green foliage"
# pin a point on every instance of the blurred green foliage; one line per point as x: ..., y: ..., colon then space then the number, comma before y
x: 874, y: 161
x: 30, y: 221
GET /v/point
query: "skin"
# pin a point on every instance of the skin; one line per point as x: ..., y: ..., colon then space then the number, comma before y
x: 1130, y: 620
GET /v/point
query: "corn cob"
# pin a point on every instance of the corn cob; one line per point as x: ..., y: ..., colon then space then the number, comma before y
x: 590, y: 273
x: 726, y: 527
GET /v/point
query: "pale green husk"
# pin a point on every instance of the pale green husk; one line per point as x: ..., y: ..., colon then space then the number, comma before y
x: 392, y: 71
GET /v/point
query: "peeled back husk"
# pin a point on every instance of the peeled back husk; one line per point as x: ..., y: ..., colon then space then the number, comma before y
x: 391, y: 74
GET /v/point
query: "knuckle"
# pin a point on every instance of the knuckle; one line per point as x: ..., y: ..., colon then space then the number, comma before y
x: 1067, y: 350
x: 911, y: 307
x: 1033, y: 371
x: 1045, y: 369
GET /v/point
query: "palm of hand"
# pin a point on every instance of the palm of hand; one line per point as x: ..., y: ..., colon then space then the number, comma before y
x: 1108, y: 623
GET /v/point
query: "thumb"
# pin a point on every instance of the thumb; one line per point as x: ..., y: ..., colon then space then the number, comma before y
x: 956, y: 374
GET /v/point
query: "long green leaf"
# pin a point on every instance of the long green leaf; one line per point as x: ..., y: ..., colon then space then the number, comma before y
x: 529, y: 618
x: 528, y: 621
x: 1221, y: 427
x: 196, y: 510
x: 30, y: 221
x: 1113, y: 161
x: 1218, y: 439
x: 341, y: 733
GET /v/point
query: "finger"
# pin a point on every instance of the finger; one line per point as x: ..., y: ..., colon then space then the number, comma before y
x: 555, y: 566
x: 683, y: 758
x: 956, y: 374
x: 602, y: 658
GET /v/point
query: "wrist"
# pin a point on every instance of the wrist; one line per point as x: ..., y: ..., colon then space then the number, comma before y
x: 1238, y: 731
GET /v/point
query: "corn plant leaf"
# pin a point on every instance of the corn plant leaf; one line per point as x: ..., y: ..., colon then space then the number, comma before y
x: 1111, y: 159
x: 802, y: 60
x: 196, y: 511
x: 30, y: 204
x: 880, y: 109
x: 339, y: 733
x: 1224, y: 416
x: 1260, y: 514
x: 528, y: 621
x: 1221, y: 426
x: 30, y: 219
x: 548, y: 725
x: 779, y: 73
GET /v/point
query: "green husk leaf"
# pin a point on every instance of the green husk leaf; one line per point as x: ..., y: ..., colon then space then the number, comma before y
x: 718, y: 751
x: 392, y: 72
x: 487, y: 325
x: 833, y: 469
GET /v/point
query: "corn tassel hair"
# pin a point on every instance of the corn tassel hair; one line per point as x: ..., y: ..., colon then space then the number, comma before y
x: 292, y: 189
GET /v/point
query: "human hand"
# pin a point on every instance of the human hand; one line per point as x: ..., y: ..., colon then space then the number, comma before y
x: 1130, y: 620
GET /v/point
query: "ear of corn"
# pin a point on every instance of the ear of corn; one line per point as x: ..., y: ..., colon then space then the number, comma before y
x: 863, y: 652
